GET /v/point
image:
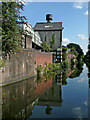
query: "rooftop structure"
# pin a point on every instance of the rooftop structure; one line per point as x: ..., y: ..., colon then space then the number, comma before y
x: 48, y: 29
x: 49, y: 17
x: 51, y: 31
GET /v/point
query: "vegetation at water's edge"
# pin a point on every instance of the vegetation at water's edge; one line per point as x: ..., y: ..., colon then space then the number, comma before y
x: 1, y: 63
x: 51, y: 69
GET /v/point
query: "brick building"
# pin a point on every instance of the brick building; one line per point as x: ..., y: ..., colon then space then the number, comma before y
x: 47, y: 29
x: 31, y: 39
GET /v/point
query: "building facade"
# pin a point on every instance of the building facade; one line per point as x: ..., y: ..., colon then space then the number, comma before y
x: 31, y: 39
x: 49, y: 29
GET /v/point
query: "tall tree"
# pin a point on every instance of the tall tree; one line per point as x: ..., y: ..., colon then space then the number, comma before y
x: 64, y: 53
x: 11, y: 31
x: 74, y: 52
x: 77, y: 48
x: 52, y: 42
x: 45, y: 46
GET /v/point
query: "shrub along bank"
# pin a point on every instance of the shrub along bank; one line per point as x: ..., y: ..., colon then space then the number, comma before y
x: 52, y: 69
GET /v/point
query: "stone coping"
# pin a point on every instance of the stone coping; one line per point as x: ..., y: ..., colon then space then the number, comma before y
x: 33, y: 50
x: 18, y: 80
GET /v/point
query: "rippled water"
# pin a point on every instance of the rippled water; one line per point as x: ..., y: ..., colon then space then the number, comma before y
x: 48, y: 98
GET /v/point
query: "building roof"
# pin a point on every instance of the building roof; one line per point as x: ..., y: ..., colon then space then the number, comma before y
x: 51, y: 26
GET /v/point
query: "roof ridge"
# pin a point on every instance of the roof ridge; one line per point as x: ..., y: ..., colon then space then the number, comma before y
x: 47, y: 23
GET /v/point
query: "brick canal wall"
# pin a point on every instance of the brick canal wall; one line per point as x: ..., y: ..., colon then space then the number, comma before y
x: 20, y: 66
x: 42, y: 57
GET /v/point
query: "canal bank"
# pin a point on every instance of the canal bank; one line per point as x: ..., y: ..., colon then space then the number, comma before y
x: 21, y: 66
x: 54, y: 97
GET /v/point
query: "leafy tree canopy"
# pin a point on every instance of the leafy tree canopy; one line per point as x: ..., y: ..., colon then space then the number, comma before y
x: 74, y: 52
x: 11, y: 31
x: 64, y: 54
x: 78, y: 70
x: 52, y: 42
x: 64, y: 49
x: 45, y: 46
x: 77, y: 48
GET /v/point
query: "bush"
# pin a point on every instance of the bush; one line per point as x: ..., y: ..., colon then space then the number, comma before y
x: 45, y: 46
x: 64, y: 64
x: 35, y: 62
x: 1, y: 63
x: 39, y: 70
x: 72, y: 61
x: 45, y: 70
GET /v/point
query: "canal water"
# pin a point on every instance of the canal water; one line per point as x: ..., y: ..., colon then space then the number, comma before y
x: 65, y: 96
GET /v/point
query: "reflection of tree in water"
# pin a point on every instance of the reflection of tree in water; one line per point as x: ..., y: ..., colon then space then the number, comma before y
x: 64, y: 77
x: 39, y: 79
x: 48, y: 110
x: 88, y: 66
x: 78, y: 70
x: 87, y: 58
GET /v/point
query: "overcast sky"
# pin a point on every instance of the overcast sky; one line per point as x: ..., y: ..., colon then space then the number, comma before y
x: 74, y: 17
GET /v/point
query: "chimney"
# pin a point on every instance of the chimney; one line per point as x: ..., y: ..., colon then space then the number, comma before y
x: 49, y: 18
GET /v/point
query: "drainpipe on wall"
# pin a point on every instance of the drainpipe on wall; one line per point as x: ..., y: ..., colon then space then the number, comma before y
x: 61, y: 46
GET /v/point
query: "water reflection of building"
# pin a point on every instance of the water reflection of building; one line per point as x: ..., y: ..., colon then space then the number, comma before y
x: 59, y: 78
x: 53, y: 97
x: 18, y: 99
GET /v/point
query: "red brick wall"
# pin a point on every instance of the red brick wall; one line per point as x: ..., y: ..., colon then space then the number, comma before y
x: 43, y: 87
x: 21, y: 65
x: 18, y: 67
x: 42, y: 57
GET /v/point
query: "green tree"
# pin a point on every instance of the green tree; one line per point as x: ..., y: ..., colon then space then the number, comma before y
x: 45, y: 46
x: 52, y: 42
x: 11, y: 31
x: 64, y: 49
x: 1, y: 63
x: 64, y: 53
x: 77, y: 70
x: 74, y: 52
x: 78, y: 49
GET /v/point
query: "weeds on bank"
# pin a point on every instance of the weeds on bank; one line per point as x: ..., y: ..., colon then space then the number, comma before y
x: 1, y: 63
x: 51, y: 69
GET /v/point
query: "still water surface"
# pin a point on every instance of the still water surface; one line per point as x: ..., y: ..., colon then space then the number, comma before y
x: 66, y: 96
